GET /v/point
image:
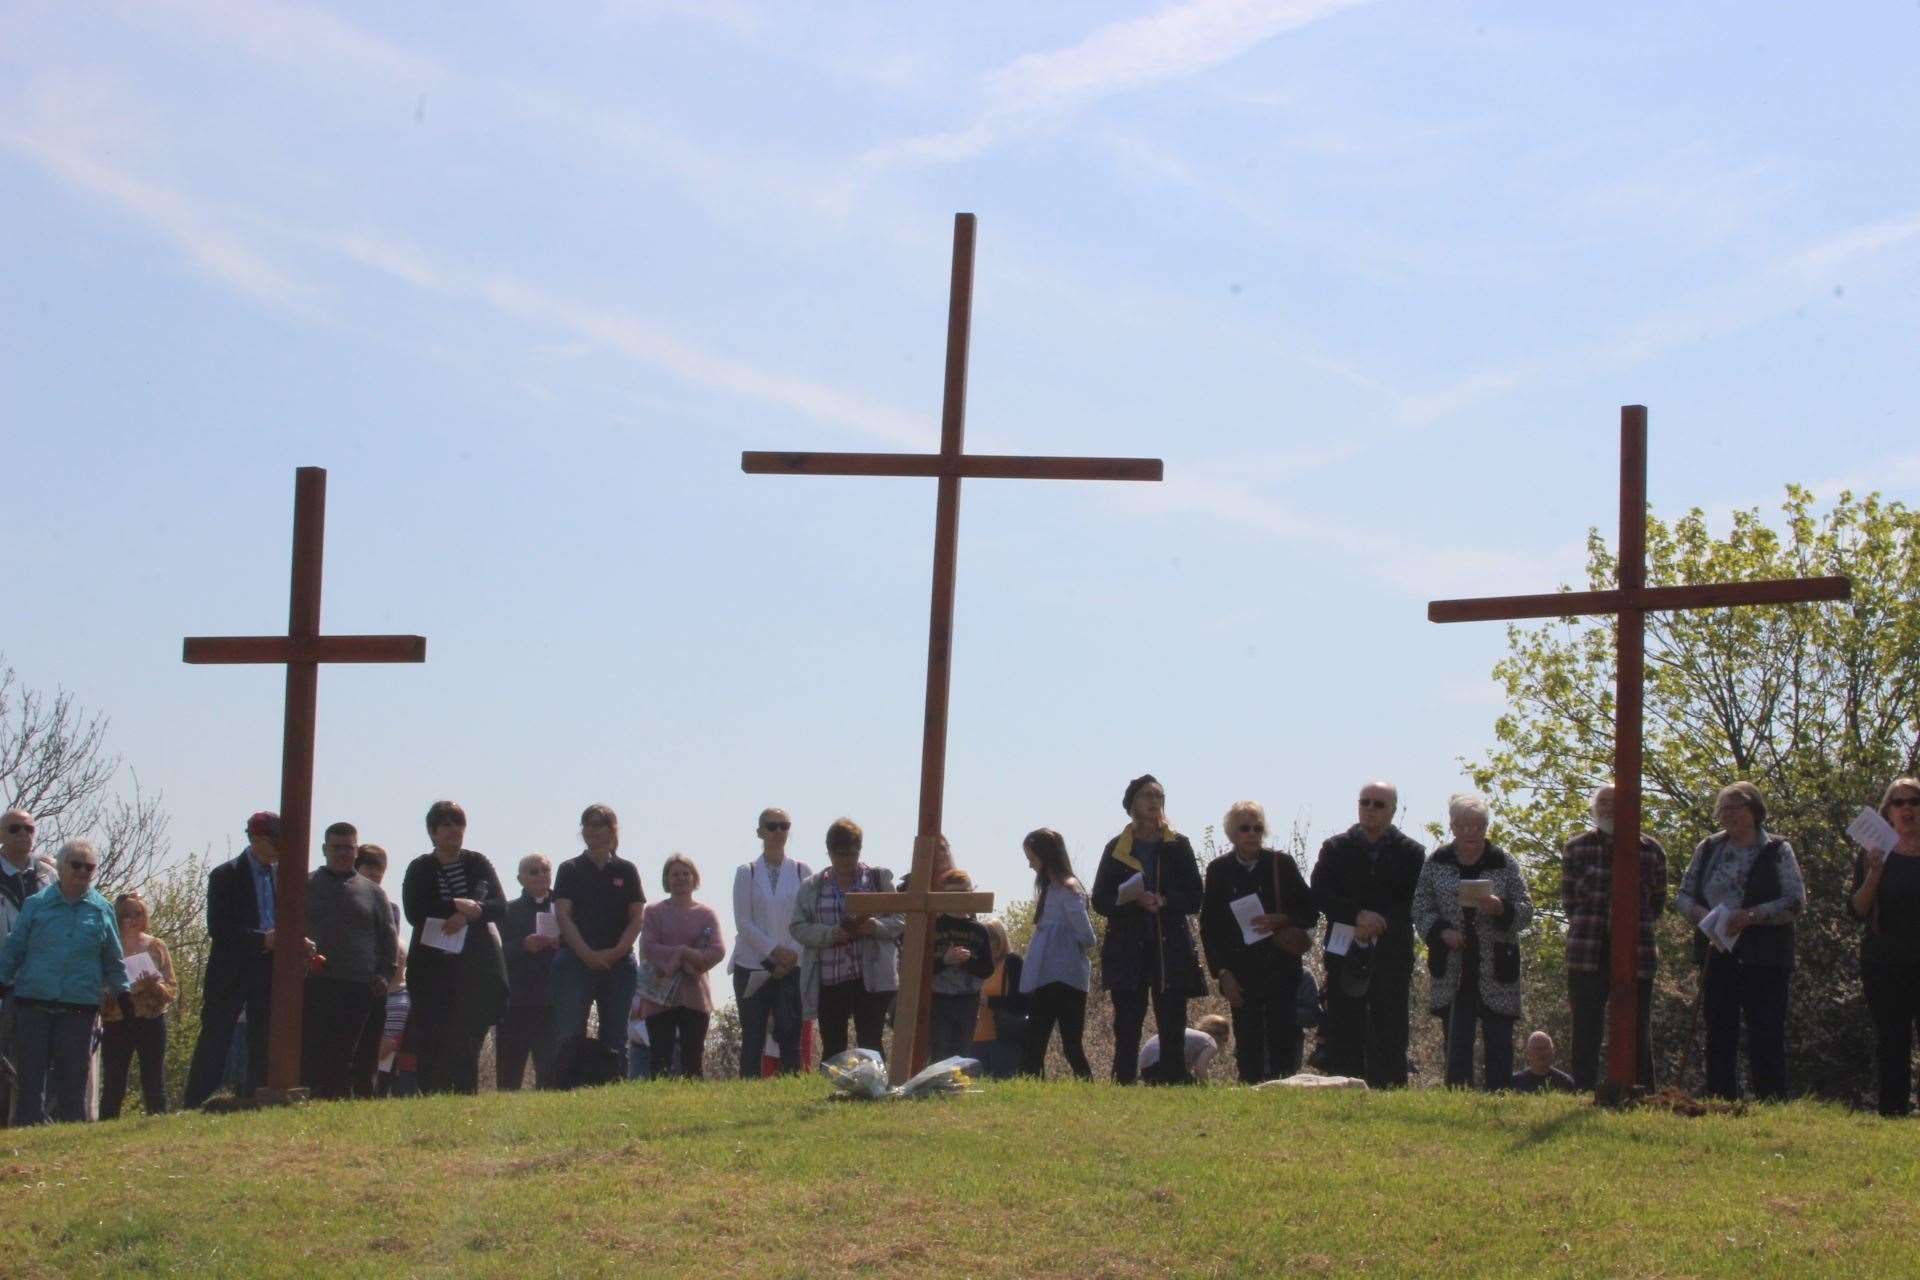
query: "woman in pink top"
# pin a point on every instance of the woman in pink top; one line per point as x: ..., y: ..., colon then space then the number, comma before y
x: 679, y: 941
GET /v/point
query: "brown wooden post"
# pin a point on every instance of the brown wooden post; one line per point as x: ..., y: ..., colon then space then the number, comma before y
x: 302, y: 649
x: 950, y: 466
x: 1630, y: 602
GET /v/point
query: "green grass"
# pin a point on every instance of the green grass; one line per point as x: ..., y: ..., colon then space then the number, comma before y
x: 768, y: 1180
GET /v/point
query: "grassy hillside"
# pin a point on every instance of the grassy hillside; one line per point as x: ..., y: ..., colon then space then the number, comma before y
x: 771, y: 1180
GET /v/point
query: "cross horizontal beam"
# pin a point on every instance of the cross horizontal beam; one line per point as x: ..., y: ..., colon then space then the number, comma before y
x: 917, y: 900
x: 984, y: 466
x: 261, y: 649
x: 1568, y: 604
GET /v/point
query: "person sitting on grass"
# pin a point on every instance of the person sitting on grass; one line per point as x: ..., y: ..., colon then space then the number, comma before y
x: 1540, y: 1075
x: 1205, y: 1039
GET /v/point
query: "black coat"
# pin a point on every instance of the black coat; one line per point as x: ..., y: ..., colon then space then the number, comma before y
x: 472, y: 985
x: 239, y: 960
x: 1127, y: 954
x: 529, y: 973
x: 1346, y: 882
x: 1261, y: 966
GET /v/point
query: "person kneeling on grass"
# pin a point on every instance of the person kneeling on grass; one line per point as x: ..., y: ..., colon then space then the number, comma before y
x: 1540, y: 1075
x: 1205, y: 1039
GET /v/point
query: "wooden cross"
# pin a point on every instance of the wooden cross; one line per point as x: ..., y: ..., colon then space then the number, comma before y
x: 1630, y: 602
x: 924, y: 901
x: 302, y: 649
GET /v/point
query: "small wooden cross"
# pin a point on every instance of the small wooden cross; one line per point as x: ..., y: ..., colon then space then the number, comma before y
x: 302, y: 649
x: 1630, y: 602
x: 924, y: 901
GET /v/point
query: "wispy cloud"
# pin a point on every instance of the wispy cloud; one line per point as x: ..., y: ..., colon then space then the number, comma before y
x: 1136, y: 53
x: 297, y: 36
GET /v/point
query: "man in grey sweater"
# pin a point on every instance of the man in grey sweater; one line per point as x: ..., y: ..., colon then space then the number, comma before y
x: 351, y: 927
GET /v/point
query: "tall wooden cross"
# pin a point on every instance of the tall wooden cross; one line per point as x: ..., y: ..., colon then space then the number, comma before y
x: 925, y: 901
x: 1630, y: 602
x: 302, y: 649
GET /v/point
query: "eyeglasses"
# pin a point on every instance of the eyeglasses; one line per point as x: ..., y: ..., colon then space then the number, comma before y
x: 88, y: 867
x: 1367, y: 802
x: 776, y: 826
x: 1249, y: 828
x: 19, y: 828
x: 1898, y: 802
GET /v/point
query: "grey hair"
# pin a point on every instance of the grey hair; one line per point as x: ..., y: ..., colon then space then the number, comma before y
x: 1242, y: 806
x: 1593, y: 801
x: 1467, y: 803
x: 80, y: 846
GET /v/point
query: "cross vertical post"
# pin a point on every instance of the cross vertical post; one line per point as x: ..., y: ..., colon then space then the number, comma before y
x: 1630, y: 602
x: 949, y: 466
x: 302, y: 650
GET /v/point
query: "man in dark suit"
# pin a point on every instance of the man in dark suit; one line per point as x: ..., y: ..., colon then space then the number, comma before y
x: 1364, y: 880
x: 239, y: 975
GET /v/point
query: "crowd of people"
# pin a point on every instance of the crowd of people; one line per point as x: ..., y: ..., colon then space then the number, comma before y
x: 584, y: 979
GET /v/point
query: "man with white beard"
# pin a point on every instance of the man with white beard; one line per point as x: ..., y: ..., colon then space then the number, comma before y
x: 1586, y: 892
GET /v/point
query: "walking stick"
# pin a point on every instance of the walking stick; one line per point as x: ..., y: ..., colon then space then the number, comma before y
x: 1693, y: 1023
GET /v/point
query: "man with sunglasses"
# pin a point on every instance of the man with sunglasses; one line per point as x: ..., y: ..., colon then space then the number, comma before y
x: 1260, y: 980
x: 766, y: 959
x: 239, y: 976
x: 1364, y: 879
x: 63, y: 950
x: 21, y: 876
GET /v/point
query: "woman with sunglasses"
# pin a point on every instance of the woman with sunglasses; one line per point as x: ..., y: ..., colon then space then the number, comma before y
x: 1259, y: 979
x: 1886, y: 895
x: 146, y: 1033
x: 1147, y: 885
x: 61, y: 952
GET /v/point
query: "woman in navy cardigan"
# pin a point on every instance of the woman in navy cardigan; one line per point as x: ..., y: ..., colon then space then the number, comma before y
x: 456, y: 995
x: 1148, y: 950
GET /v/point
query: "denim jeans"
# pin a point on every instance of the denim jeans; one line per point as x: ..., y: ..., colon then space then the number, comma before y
x: 779, y: 999
x: 639, y: 1061
x: 51, y: 1047
x: 577, y: 988
x: 1463, y: 1015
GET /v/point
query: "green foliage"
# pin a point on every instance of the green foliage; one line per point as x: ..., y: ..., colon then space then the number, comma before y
x: 768, y: 1178
x: 1819, y: 705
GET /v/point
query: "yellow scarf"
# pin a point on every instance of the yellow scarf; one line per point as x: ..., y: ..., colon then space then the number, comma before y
x: 1123, y: 848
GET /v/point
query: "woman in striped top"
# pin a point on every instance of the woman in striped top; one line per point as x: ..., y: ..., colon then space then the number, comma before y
x: 457, y: 995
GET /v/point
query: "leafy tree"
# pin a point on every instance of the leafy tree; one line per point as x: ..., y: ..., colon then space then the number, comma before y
x: 1818, y: 705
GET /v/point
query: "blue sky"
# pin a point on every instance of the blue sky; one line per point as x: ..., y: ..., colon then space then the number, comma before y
x: 1373, y: 278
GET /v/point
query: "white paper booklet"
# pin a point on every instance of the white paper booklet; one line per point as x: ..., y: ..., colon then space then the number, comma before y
x: 1131, y: 888
x: 140, y: 965
x: 1474, y: 892
x: 1871, y: 831
x: 1244, y: 910
x: 434, y: 934
x: 1714, y: 925
x: 546, y: 924
x: 1339, y: 939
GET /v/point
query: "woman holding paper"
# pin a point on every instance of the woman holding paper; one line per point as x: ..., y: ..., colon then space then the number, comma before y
x: 1886, y: 895
x: 452, y: 899
x: 1743, y: 889
x: 1254, y: 919
x: 680, y: 939
x: 1147, y: 885
x: 1471, y: 904
x: 150, y: 983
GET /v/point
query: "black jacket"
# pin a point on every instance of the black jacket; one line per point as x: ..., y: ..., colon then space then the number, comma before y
x: 1258, y: 966
x: 1010, y: 1011
x: 1127, y: 954
x: 239, y: 960
x: 529, y: 973
x: 473, y: 984
x: 1346, y: 881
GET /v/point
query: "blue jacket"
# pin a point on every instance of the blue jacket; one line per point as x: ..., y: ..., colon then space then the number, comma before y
x: 64, y: 951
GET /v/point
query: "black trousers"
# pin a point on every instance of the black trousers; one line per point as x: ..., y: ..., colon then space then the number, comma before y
x: 1267, y: 1041
x: 1756, y: 995
x: 366, y: 1051
x: 219, y: 1013
x: 1367, y: 1035
x: 335, y: 1014
x: 119, y: 1042
x: 1056, y: 1002
x: 679, y: 1029
x: 526, y: 1031
x: 446, y: 1050
x: 1170, y: 1020
x: 839, y: 1002
x: 1893, y: 998
x: 1588, y: 993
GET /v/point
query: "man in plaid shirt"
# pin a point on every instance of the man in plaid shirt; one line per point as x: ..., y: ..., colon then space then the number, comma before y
x: 1586, y: 893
